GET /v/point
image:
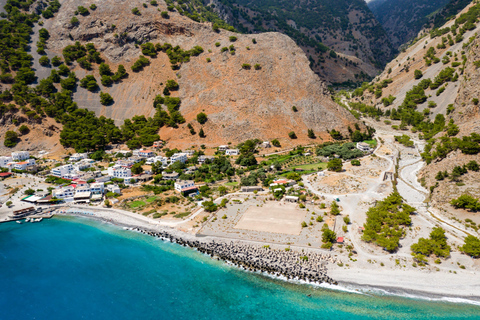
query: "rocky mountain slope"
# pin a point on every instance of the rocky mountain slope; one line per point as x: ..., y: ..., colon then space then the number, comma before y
x: 241, y: 101
x: 347, y: 27
x: 403, y: 19
x: 437, y: 78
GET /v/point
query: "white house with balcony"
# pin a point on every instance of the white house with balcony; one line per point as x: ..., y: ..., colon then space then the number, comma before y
x: 4, y: 161
x: 23, y: 165
x: 62, y: 171
x: 362, y: 146
x: 162, y: 160
x: 185, y: 187
x: 182, y: 157
x: 64, y: 193
x: 20, y: 155
x: 146, y: 153
x: 82, y: 165
x: 113, y: 188
x: 232, y: 152
x: 119, y: 172
x: 77, y: 157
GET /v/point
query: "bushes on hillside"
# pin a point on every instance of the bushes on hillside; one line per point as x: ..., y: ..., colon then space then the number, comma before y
x: 466, y: 201
x: 140, y: 63
x: 436, y: 244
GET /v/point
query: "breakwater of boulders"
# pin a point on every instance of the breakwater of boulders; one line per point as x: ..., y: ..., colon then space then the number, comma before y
x: 293, y: 265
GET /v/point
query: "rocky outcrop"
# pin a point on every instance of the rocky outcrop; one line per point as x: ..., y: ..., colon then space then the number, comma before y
x: 240, y: 103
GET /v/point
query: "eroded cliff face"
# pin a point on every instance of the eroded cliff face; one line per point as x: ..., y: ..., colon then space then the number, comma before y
x: 240, y: 103
x: 467, y: 109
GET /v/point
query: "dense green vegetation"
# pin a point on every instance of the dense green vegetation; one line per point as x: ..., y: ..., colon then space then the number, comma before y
x: 444, y: 145
x: 436, y: 244
x: 466, y: 201
x: 471, y: 246
x: 345, y: 151
x: 386, y: 221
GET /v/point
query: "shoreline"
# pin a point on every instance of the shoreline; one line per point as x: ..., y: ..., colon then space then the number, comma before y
x: 461, y: 289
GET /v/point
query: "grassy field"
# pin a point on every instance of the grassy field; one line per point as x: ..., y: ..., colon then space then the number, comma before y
x: 151, y: 199
x: 136, y: 204
x: 231, y: 184
x: 313, y: 166
x: 372, y: 143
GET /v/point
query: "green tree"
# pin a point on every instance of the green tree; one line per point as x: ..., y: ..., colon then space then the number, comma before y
x: 417, y: 74
x: 201, y: 134
x: 137, y: 168
x: 11, y: 139
x: 202, y: 118
x: 44, y: 61
x: 335, y: 165
x: 292, y: 135
x: 311, y: 134
x: 105, y: 99
x: 471, y: 246
x: 328, y: 236
x: 23, y: 129
x: 334, y: 209
x: 276, y: 143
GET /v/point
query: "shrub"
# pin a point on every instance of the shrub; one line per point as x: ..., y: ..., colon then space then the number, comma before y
x: 257, y: 66
x: 164, y: 14
x: 93, y: 6
x: 83, y: 11
x: 254, y: 41
x: 135, y: 11
x: 334, y: 209
x: 475, y: 101
x: 89, y: 83
x: 417, y: 74
x: 232, y: 38
x: 201, y: 134
x: 355, y: 162
x: 215, y: 28
x: 24, y: 129
x: 217, y: 44
x: 171, y: 85
x: 276, y: 143
x: 74, y: 21
x: 140, y: 63
x: 294, y: 109
x: 11, y: 139
x: 466, y: 201
x: 202, y: 118
x: 56, y: 61
x: 153, y: 2
x: 246, y: 66
x: 292, y: 135
x: 105, y: 98
x: 440, y: 91
x: 106, y: 80
x: 44, y: 61
x: 471, y: 246
x: 335, y: 165
x: 311, y: 134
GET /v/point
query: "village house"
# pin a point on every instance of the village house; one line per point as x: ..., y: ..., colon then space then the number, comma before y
x: 4, y: 161
x: 202, y: 159
x: 232, y: 152
x: 113, y: 188
x: 158, y: 144
x: 162, y: 160
x: 146, y: 153
x: 82, y: 165
x: 62, y: 171
x: 77, y: 157
x: 97, y: 188
x: 119, y: 172
x: 182, y: 157
x: 222, y: 148
x: 251, y: 189
x: 20, y: 155
x: 291, y: 199
x: 185, y: 187
x: 64, y: 193
x: 24, y: 164
x: 266, y: 144
x: 170, y: 176
x: 362, y: 146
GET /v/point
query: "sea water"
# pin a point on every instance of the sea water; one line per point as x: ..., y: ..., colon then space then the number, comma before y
x: 73, y: 268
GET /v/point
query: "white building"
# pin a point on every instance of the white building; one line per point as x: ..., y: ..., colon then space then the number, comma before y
x: 77, y: 157
x: 4, y: 161
x: 363, y: 146
x: 82, y: 165
x: 266, y: 144
x: 24, y: 164
x: 184, y: 185
x: 62, y: 171
x: 146, y: 153
x: 63, y: 193
x: 97, y: 188
x: 119, y: 172
x: 113, y: 188
x: 20, y: 155
x: 162, y: 160
x: 232, y: 152
x: 182, y: 157
x: 222, y: 148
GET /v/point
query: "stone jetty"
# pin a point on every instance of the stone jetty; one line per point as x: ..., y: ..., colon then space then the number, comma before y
x: 310, y: 267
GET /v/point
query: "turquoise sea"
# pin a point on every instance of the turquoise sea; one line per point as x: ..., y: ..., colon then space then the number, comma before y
x: 73, y: 268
